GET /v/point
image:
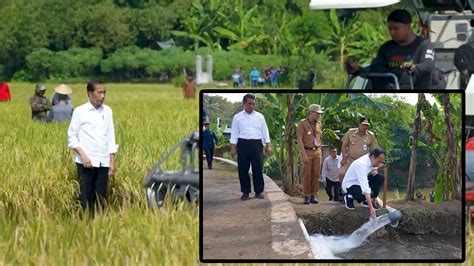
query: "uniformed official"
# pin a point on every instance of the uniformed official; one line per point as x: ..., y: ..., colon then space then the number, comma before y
x: 356, y: 143
x: 40, y: 105
x: 309, y: 140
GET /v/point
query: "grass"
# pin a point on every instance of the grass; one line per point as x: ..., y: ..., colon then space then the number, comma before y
x: 39, y: 214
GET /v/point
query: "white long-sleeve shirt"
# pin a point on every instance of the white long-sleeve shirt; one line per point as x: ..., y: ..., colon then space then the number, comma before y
x: 357, y: 174
x: 249, y: 126
x: 93, y: 131
x: 330, y: 168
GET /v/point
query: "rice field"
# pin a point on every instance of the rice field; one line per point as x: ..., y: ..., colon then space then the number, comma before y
x: 40, y: 217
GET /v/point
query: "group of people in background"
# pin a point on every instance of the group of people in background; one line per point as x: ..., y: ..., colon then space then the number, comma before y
x: 353, y: 175
x: 258, y: 78
x: 58, y: 110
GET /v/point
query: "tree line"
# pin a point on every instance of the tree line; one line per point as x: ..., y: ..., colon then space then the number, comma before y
x: 117, y: 39
x: 424, y: 139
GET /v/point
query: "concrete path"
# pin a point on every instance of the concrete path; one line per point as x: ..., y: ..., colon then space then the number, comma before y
x: 254, y: 229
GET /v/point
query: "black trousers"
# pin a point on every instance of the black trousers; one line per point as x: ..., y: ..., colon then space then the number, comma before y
x: 250, y: 152
x: 209, y: 156
x: 337, y: 187
x: 375, y: 183
x: 93, y: 186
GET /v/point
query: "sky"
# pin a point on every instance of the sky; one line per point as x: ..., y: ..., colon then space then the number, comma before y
x: 410, y: 98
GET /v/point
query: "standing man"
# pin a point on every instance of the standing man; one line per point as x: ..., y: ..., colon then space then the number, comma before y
x: 208, y: 139
x: 362, y: 181
x: 356, y: 143
x: 91, y: 135
x: 40, y: 105
x: 249, y: 133
x: 189, y: 88
x: 309, y: 140
x: 330, y: 169
x: 254, y: 76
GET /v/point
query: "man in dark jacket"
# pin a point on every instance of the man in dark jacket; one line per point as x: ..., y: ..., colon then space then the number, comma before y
x: 40, y: 105
x: 209, y: 139
x: 407, y: 55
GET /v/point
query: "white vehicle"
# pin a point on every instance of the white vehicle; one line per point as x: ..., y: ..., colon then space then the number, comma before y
x: 450, y: 24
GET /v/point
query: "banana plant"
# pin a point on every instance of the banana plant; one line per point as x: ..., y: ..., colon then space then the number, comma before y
x: 204, y: 18
x: 341, y: 37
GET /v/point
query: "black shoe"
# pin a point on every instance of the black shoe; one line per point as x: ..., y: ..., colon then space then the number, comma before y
x: 349, y: 202
x: 376, y: 206
x: 365, y: 205
x: 313, y: 200
x: 259, y: 196
x: 330, y: 198
x: 306, y: 200
x: 245, y: 196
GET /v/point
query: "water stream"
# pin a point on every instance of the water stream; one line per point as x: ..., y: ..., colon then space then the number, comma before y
x: 328, y: 246
x: 355, y: 246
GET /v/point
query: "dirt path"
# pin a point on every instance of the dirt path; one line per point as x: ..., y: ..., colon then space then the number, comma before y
x: 235, y: 229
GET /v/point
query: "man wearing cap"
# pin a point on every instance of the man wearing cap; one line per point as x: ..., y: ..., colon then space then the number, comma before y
x: 356, y: 143
x: 406, y: 54
x: 91, y: 135
x: 309, y: 141
x: 62, y: 89
x: 248, y: 135
x: 209, y: 138
x: 40, y: 105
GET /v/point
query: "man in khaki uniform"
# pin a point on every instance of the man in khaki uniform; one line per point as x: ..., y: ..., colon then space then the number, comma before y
x: 356, y: 143
x: 309, y: 140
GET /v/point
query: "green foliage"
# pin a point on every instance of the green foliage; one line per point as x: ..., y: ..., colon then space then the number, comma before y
x: 178, y: 81
x: 258, y: 33
x: 44, y: 64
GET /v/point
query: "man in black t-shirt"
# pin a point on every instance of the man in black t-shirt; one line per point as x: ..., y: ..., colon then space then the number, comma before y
x: 405, y: 55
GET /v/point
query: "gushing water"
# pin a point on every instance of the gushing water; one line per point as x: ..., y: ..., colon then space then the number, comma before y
x: 327, y: 246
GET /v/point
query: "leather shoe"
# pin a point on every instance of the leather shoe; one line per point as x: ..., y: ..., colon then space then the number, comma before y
x: 306, y: 200
x: 259, y: 196
x: 245, y: 196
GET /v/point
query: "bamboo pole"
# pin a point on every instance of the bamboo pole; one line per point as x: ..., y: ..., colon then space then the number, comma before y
x: 385, y: 185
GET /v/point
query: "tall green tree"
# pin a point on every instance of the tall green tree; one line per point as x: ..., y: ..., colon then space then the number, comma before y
x: 416, y: 132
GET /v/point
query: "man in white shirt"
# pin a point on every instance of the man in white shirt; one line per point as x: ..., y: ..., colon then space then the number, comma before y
x: 91, y: 135
x: 249, y: 132
x: 361, y: 186
x: 329, y: 173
